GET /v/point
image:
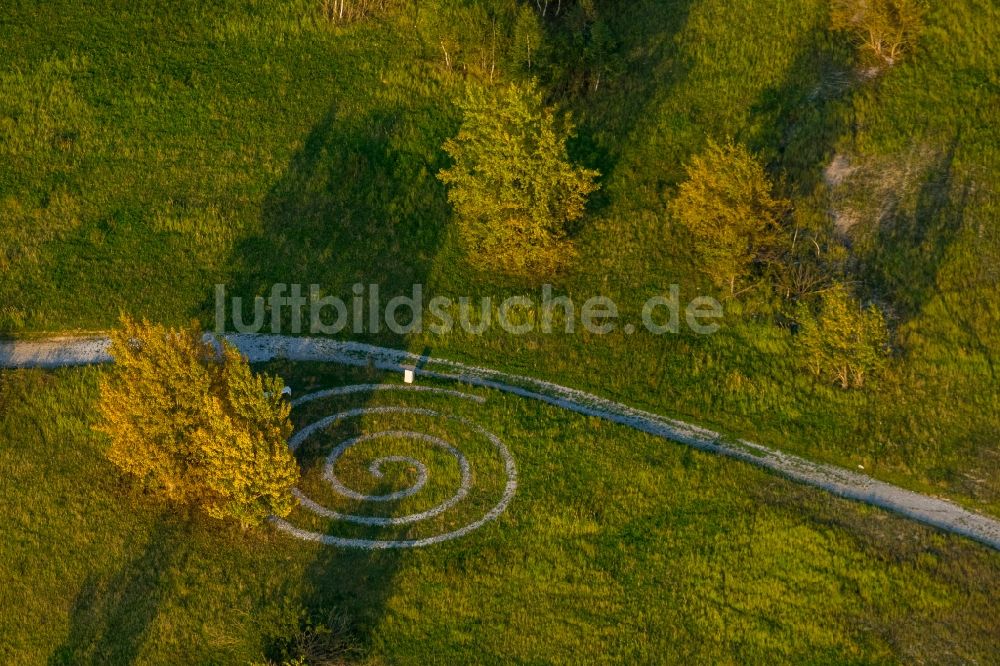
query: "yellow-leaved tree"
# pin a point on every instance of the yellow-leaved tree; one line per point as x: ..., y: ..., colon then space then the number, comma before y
x: 196, y: 424
x: 843, y: 342
x: 728, y: 205
x: 885, y: 30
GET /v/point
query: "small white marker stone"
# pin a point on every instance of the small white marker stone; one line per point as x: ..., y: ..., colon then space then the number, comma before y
x: 408, y: 375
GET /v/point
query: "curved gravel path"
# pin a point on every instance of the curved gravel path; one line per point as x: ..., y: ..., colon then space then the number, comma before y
x: 939, y: 513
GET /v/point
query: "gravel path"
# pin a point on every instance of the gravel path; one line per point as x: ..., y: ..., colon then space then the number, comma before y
x: 939, y: 513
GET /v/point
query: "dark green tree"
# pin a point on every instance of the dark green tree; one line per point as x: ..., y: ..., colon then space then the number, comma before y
x: 512, y: 184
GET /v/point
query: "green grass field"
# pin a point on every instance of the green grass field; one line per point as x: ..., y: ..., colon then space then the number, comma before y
x: 260, y: 145
x: 617, y: 547
x: 149, y: 151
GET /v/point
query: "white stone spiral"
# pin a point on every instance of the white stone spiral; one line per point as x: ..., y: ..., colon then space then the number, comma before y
x: 376, y: 469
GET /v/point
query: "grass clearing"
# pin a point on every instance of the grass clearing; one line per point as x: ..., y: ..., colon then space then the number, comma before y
x: 263, y: 145
x: 616, y: 546
x: 149, y: 154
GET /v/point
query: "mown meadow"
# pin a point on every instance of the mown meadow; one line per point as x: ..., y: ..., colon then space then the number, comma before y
x: 151, y: 154
x: 151, y: 151
x: 616, y: 547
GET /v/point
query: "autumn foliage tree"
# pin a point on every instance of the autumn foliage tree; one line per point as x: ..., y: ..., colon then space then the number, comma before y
x: 728, y: 206
x: 196, y: 425
x: 844, y: 342
x: 512, y: 184
x: 884, y: 29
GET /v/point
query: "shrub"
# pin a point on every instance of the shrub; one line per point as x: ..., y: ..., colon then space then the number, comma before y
x: 885, y: 29
x: 844, y: 342
x: 727, y: 205
x: 513, y: 187
x: 197, y: 426
x: 314, y: 643
x: 582, y: 30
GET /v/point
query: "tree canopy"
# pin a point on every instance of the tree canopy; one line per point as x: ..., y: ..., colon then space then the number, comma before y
x: 844, y: 343
x: 728, y: 206
x: 884, y: 29
x: 197, y: 425
x: 512, y: 184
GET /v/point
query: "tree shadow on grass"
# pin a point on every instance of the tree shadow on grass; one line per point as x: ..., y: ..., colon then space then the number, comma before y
x: 346, y: 593
x: 112, y: 615
x: 360, y: 204
x: 616, y: 62
x: 345, y: 589
x: 897, y: 214
x: 798, y: 123
x: 908, y: 244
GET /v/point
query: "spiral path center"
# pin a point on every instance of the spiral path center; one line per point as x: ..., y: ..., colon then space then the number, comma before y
x: 377, y: 467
